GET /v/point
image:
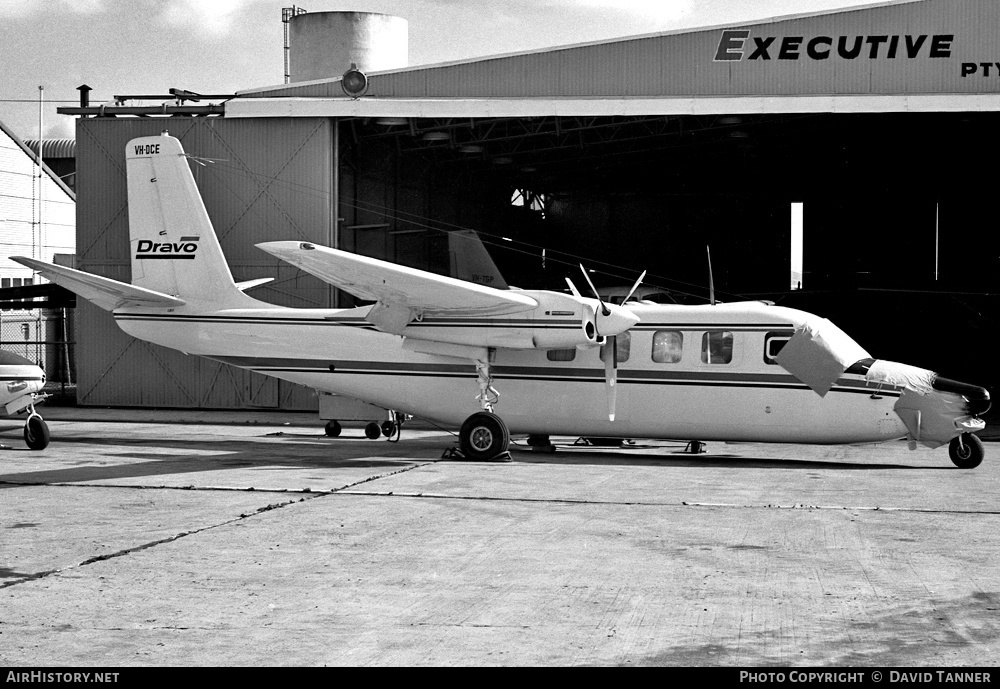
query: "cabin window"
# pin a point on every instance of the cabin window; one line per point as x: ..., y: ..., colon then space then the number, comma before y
x: 773, y: 342
x: 624, y: 348
x: 561, y: 354
x: 667, y: 346
x: 717, y: 347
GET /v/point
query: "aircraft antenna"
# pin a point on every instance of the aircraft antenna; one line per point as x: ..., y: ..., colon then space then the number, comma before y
x: 711, y: 282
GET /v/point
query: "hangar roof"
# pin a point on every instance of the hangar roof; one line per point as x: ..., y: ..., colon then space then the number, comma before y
x: 889, y: 56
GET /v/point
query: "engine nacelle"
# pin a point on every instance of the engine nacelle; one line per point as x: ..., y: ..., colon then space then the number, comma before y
x: 560, y: 321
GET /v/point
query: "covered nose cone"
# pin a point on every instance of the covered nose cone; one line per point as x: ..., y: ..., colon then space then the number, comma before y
x: 979, y: 398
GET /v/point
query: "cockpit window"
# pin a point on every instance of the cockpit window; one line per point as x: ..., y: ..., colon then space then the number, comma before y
x: 773, y: 342
x: 717, y: 347
x: 11, y: 359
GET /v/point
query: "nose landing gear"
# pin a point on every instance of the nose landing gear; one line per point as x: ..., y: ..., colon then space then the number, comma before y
x: 36, y: 431
x: 966, y: 451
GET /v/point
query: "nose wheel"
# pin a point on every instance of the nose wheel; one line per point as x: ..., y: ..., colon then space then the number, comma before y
x: 966, y: 451
x: 36, y: 432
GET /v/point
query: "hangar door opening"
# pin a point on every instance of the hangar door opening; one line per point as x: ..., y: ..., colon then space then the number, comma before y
x: 896, y: 226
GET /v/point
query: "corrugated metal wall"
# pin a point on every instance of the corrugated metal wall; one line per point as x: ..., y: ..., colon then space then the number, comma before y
x: 270, y: 180
x: 684, y: 64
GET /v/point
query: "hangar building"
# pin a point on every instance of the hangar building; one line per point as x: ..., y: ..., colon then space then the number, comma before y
x: 626, y: 155
x: 37, y: 219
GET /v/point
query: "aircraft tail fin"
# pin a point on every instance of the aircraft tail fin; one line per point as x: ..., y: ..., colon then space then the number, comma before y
x: 173, y: 246
x: 471, y: 261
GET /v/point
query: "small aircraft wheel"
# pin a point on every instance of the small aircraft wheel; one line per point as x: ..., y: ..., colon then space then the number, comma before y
x: 332, y: 429
x: 967, y: 451
x: 388, y: 428
x: 36, y: 433
x: 372, y: 431
x: 484, y: 435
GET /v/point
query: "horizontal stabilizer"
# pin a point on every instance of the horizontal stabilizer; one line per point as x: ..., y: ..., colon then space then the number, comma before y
x: 250, y: 284
x: 107, y: 293
x: 397, y: 286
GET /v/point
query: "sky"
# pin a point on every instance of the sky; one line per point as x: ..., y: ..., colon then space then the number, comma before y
x: 120, y: 47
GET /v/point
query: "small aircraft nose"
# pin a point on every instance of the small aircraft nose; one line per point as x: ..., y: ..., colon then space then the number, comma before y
x: 618, y: 321
x: 979, y: 398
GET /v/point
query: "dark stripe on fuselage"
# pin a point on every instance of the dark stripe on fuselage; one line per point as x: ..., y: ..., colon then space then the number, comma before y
x: 540, y: 373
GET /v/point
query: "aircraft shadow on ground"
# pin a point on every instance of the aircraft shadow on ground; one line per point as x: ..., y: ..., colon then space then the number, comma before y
x: 174, y: 456
x: 676, y: 457
x: 171, y: 456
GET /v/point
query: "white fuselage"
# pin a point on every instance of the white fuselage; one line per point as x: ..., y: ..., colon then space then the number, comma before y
x: 682, y: 395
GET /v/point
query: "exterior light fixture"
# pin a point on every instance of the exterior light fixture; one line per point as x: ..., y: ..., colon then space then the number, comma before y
x: 354, y: 82
x: 470, y: 148
x: 436, y: 136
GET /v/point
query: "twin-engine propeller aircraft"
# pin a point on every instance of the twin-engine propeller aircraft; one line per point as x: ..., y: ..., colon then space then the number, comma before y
x: 21, y: 383
x: 566, y: 364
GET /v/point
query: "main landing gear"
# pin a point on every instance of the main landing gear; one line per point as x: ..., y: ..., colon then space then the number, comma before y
x: 484, y: 435
x: 966, y: 451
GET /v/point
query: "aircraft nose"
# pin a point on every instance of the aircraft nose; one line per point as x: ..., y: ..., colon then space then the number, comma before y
x: 979, y: 398
x: 618, y: 321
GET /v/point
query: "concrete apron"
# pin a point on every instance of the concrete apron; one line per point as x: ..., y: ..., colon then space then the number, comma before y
x: 162, y: 544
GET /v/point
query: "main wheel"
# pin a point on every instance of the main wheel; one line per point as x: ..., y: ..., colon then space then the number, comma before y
x: 372, y: 431
x: 36, y: 433
x: 332, y: 429
x: 967, y: 451
x: 388, y: 428
x: 484, y: 435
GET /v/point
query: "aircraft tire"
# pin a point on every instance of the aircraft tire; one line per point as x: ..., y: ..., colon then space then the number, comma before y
x: 332, y: 429
x: 388, y: 428
x: 372, y: 431
x: 483, y: 436
x: 969, y: 453
x: 36, y: 433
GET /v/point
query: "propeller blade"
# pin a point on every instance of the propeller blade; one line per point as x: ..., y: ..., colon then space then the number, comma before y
x: 611, y: 375
x: 572, y: 289
x: 604, y: 309
x: 634, y: 287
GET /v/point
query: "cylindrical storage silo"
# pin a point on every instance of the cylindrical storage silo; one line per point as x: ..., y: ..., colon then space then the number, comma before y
x: 324, y: 44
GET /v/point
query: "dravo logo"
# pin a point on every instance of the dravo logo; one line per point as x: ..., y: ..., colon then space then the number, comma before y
x: 186, y: 248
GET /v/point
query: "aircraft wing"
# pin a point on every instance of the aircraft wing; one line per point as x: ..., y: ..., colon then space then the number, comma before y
x: 107, y: 293
x: 398, y: 286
